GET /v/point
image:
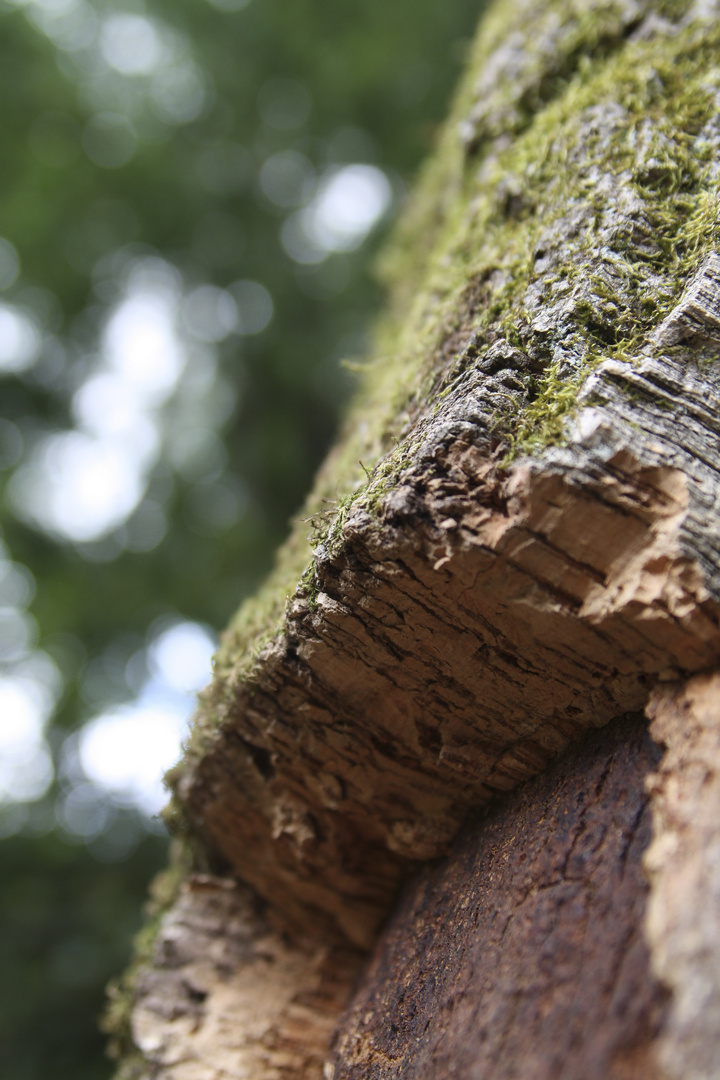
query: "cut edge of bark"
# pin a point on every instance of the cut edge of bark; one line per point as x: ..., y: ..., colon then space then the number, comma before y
x: 432, y: 332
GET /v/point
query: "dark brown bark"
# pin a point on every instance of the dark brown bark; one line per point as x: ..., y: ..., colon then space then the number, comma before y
x: 522, y: 955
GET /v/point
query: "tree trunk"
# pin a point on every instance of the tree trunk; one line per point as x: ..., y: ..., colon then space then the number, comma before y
x: 529, y: 552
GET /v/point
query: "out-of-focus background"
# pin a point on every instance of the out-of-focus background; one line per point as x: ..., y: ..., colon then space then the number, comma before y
x: 191, y: 193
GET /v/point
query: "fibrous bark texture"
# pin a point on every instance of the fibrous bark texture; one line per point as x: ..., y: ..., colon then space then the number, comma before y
x: 522, y: 954
x: 535, y: 550
x: 226, y: 996
x: 683, y: 925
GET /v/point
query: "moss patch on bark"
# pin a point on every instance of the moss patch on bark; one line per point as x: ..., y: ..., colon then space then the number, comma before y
x: 572, y: 192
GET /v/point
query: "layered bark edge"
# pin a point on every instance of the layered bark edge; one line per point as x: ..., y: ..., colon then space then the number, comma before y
x: 534, y: 551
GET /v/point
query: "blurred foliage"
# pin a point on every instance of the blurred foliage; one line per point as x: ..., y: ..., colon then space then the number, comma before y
x: 71, y: 920
x: 196, y: 162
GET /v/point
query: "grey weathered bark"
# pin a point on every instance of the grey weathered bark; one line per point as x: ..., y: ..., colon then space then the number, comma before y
x: 533, y: 555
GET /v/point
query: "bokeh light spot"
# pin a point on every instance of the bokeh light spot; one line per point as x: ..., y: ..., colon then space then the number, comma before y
x: 349, y: 202
x: 142, y: 346
x: 131, y: 44
x: 127, y: 751
x: 77, y: 486
x: 182, y: 655
x: 20, y: 339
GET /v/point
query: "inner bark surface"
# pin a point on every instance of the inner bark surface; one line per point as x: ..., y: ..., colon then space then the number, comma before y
x: 522, y: 954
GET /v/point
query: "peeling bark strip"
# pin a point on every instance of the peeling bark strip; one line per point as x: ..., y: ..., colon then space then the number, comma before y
x: 522, y: 954
x: 683, y: 923
x: 225, y: 996
x: 536, y: 549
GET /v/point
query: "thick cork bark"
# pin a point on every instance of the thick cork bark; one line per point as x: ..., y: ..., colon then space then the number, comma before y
x: 534, y: 553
